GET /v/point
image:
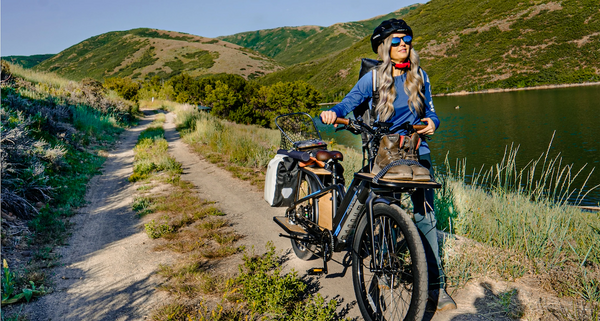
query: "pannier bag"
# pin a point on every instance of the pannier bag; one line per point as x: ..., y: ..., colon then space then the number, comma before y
x: 281, y: 181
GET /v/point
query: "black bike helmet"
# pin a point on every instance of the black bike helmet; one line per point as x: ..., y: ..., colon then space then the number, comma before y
x: 386, y: 28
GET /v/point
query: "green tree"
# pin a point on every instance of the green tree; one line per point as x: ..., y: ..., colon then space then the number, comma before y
x: 186, y: 89
x: 124, y: 87
x: 290, y: 97
x: 222, y: 99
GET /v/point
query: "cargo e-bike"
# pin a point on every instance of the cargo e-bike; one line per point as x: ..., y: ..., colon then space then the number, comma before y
x: 389, y: 268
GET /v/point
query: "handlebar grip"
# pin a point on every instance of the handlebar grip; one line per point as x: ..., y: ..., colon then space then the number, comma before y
x: 419, y: 127
x: 342, y: 121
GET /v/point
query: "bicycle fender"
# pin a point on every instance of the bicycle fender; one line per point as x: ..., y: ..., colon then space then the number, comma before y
x: 378, y: 200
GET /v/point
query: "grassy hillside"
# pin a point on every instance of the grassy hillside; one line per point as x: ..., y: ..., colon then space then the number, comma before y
x: 141, y: 53
x: 333, y: 75
x: 272, y: 42
x: 292, y: 45
x: 27, y: 61
x: 473, y: 45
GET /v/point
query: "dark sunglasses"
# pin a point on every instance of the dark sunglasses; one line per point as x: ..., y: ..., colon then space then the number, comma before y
x: 396, y: 40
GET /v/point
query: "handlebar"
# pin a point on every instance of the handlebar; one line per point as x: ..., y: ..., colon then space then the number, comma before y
x: 356, y: 123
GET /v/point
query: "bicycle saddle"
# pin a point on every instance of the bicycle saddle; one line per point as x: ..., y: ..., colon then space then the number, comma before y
x: 325, y: 155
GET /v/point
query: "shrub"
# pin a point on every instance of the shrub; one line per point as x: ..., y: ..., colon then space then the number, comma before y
x: 155, y: 229
x: 125, y: 87
x: 6, y: 74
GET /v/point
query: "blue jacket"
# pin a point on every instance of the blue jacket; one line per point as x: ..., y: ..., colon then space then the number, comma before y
x: 402, y: 113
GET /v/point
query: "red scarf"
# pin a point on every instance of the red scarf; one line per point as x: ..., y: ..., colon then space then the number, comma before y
x: 402, y: 65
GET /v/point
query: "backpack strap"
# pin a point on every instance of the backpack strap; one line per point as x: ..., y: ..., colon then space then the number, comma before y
x: 423, y: 92
x: 374, y: 99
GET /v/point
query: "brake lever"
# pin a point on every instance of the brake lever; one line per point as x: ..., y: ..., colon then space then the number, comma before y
x: 354, y: 131
x: 351, y: 129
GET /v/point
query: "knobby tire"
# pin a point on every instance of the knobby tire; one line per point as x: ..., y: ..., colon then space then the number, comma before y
x: 398, y: 290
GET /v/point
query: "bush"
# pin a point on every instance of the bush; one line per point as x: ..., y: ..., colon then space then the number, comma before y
x: 6, y: 74
x: 283, y: 297
x: 156, y: 230
x: 124, y: 87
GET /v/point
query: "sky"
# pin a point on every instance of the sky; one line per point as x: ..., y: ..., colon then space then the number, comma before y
x: 30, y: 27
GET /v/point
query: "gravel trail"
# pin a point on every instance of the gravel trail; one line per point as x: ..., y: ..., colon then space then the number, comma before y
x: 107, y: 269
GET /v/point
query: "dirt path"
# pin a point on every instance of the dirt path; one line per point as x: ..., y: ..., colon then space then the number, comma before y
x: 106, y: 270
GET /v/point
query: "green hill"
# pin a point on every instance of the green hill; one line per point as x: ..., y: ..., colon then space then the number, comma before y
x: 333, y: 76
x: 292, y: 45
x: 27, y: 61
x: 473, y: 45
x: 272, y: 42
x: 141, y: 53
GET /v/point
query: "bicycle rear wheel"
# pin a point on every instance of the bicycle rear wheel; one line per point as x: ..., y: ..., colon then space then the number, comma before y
x: 308, y: 185
x: 391, y: 283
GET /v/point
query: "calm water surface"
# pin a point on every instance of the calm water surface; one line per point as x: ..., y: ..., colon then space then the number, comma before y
x: 486, y: 124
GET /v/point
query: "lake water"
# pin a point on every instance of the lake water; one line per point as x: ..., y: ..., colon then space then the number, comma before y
x: 485, y: 124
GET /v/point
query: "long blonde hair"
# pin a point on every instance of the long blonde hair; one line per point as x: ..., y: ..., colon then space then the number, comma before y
x: 385, y: 80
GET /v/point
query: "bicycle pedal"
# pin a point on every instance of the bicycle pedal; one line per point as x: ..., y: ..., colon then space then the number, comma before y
x: 315, y: 271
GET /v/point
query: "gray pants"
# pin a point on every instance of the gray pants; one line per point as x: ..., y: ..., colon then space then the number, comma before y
x: 426, y: 223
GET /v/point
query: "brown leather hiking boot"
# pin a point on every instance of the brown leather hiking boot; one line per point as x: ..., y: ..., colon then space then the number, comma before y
x: 411, y: 146
x: 389, y: 151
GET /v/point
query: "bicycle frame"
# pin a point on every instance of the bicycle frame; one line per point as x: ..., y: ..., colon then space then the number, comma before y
x: 358, y: 201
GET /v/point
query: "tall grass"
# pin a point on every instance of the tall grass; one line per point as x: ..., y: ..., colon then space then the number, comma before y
x: 47, y: 78
x: 525, y: 212
x: 545, y: 178
x: 525, y: 209
x: 243, y: 145
x: 95, y: 124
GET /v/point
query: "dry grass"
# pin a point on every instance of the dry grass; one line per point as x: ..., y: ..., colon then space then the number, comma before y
x: 227, y: 53
x: 42, y: 77
x: 244, y: 150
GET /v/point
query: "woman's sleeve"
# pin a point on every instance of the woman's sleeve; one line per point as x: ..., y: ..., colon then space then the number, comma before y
x: 362, y: 90
x: 429, y: 109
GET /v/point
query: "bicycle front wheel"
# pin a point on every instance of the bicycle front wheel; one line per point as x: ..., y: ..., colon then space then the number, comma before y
x: 390, y: 282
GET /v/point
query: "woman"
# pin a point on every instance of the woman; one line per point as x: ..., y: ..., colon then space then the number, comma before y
x: 404, y: 95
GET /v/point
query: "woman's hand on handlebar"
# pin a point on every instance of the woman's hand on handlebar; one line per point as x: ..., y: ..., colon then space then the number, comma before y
x: 328, y: 117
x: 430, y: 129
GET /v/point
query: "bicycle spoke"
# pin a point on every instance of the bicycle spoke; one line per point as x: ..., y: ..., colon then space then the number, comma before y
x: 393, y: 295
